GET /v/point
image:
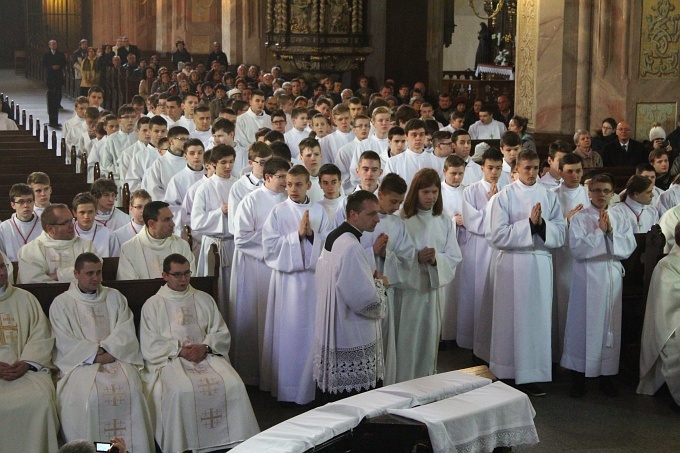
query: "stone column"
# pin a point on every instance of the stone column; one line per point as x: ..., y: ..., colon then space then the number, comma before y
x: 435, y: 44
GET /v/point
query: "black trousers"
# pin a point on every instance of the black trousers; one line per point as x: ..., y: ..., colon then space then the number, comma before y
x: 53, y: 102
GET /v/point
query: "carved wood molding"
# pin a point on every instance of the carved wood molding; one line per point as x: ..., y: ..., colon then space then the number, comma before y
x: 527, y: 41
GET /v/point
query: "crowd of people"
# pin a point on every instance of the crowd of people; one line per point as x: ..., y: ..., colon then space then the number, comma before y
x: 355, y: 229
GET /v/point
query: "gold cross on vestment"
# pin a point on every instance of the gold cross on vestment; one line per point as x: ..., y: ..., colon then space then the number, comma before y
x: 8, y: 325
x: 207, y: 386
x: 212, y: 418
x: 96, y: 315
x: 183, y: 316
x: 113, y: 396
x: 115, y: 428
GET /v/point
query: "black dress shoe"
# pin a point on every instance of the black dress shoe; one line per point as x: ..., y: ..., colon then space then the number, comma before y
x: 608, y: 387
x: 55, y: 126
x: 531, y: 389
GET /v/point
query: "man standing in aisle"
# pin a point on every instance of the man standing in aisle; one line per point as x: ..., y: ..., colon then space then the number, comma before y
x: 54, y: 63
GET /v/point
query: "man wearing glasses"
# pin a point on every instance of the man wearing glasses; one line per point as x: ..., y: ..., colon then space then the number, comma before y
x: 198, y: 398
x: 24, y: 226
x: 51, y: 256
x: 625, y: 151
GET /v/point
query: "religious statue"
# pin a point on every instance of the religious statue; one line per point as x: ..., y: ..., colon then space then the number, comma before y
x: 339, y: 16
x: 502, y: 58
x: 300, y: 11
x: 483, y: 55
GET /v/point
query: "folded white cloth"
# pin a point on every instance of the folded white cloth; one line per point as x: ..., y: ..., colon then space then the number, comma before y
x: 492, y: 416
x: 436, y: 387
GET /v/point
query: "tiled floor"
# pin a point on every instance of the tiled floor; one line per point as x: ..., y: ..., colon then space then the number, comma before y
x: 594, y: 423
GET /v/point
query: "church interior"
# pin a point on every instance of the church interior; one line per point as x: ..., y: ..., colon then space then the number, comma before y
x: 564, y: 65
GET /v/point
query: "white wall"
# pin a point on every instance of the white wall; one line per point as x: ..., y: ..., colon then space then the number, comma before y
x: 460, y: 55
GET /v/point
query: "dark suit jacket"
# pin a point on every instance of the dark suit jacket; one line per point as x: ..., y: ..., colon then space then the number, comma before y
x: 613, y: 156
x: 55, y: 77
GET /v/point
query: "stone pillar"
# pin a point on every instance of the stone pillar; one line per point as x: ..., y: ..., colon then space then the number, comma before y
x: 583, y: 65
x: 435, y: 45
x: 377, y: 18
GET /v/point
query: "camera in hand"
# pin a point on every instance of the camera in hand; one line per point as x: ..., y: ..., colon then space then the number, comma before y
x: 105, y: 446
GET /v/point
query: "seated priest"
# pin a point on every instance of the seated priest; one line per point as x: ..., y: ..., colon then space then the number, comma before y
x: 50, y: 257
x: 142, y: 256
x: 27, y: 399
x: 197, y: 400
x: 97, y: 353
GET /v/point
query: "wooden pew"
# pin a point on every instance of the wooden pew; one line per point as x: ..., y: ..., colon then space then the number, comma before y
x: 135, y: 291
x: 638, y: 273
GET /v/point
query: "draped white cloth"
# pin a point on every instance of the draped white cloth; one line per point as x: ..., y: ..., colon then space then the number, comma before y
x: 45, y: 255
x: 99, y: 401
x: 522, y: 294
x: 659, y: 347
x: 592, y: 339
x: 562, y: 266
x: 348, y: 343
x: 417, y: 308
x: 27, y: 404
x: 249, y: 287
x: 14, y: 234
x: 194, y: 406
x: 142, y: 256
x: 289, y: 325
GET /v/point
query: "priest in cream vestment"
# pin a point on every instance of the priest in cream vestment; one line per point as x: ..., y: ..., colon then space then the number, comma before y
x: 660, y: 347
x: 99, y: 392
x: 142, y: 256
x: 50, y: 257
x: 27, y: 399
x: 197, y: 401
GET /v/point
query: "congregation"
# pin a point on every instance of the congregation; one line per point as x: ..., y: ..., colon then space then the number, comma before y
x: 356, y: 229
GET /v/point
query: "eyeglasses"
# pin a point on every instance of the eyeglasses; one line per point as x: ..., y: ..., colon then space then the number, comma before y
x: 64, y: 223
x: 22, y: 201
x: 279, y: 122
x: 260, y: 162
x: 602, y: 191
x: 279, y: 176
x: 179, y: 275
x: 446, y: 143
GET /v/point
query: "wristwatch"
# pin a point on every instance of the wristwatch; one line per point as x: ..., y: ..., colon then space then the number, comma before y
x: 31, y: 367
x: 208, y: 349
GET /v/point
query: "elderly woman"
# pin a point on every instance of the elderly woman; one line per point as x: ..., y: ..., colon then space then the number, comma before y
x: 591, y: 159
x: 519, y: 124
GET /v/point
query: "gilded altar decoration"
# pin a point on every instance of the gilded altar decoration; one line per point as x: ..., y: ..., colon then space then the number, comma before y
x: 318, y: 36
x: 660, y: 39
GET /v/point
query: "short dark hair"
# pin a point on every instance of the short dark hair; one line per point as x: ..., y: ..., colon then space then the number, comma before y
x: 457, y: 133
x: 48, y: 216
x: 395, y: 130
x: 413, y: 124
x: 151, y: 211
x: 492, y: 154
x: 276, y: 164
x: 282, y: 150
x: 558, y: 146
x: 571, y: 159
x: 83, y: 198
x: 299, y: 170
x: 527, y: 154
x: 18, y: 190
x: 511, y: 138
x: 142, y: 121
x: 103, y: 186
x: 223, y: 124
x: 87, y: 257
x: 453, y: 161
x: 355, y: 201
x: 370, y: 155
x: 218, y: 152
x: 177, y: 130
x: 173, y: 258
x: 330, y: 169
x: 393, y: 183
x: 274, y: 136
x: 193, y: 142
x: 158, y: 120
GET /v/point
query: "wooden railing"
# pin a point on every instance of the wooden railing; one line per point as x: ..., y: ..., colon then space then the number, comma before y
x: 464, y: 83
